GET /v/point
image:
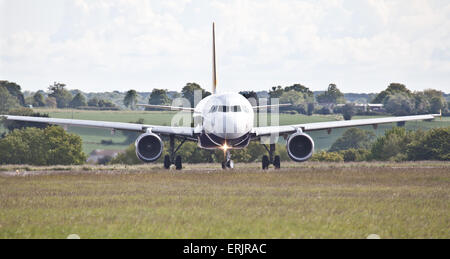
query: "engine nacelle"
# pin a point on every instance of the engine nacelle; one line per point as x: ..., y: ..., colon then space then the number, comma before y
x: 149, y: 147
x: 300, y: 147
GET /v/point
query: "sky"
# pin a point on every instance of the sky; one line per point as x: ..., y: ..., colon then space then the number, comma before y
x: 108, y: 45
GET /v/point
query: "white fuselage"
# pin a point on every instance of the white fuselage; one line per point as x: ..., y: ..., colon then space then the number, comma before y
x: 227, y: 115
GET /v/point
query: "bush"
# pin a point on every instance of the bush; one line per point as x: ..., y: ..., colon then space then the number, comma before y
x: 323, y: 156
x: 434, y: 144
x: 49, y: 146
x: 392, y: 146
x: 355, y: 155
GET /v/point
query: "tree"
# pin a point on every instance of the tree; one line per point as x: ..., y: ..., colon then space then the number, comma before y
x: 276, y: 92
x: 7, y: 101
x: 399, y: 104
x: 301, y: 98
x: 14, y: 90
x: 189, y: 90
x: 353, y: 138
x: 60, y: 93
x: 392, y: 89
x: 436, y: 99
x: 348, y: 111
x: 130, y: 99
x: 422, y: 104
x: 437, y: 104
x: 93, y: 102
x: 49, y: 146
x: 300, y: 88
x: 51, y: 102
x: 249, y: 95
x: 78, y: 101
x: 296, y: 99
x: 105, y: 104
x: 159, y: 97
x: 310, y: 109
x: 331, y: 95
x: 38, y: 99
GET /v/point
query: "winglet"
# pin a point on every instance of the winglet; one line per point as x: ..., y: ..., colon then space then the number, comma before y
x: 214, y: 76
x: 438, y: 115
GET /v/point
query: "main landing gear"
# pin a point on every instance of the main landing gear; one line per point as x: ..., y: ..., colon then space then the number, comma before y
x: 227, y: 162
x: 171, y: 159
x: 267, y: 160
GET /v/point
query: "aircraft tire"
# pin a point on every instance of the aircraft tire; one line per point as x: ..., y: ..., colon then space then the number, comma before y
x: 178, y: 163
x: 230, y: 164
x: 277, y: 162
x: 265, y: 162
x: 167, y: 162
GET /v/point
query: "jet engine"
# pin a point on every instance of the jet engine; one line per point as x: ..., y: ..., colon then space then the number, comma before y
x: 149, y: 147
x: 300, y: 147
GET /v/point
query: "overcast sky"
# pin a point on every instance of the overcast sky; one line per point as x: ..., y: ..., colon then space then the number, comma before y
x: 106, y: 45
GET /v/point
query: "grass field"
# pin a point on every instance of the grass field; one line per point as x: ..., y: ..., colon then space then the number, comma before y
x: 92, y: 137
x: 311, y: 200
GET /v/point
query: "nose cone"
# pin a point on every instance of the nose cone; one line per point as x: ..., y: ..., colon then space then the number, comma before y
x: 229, y: 125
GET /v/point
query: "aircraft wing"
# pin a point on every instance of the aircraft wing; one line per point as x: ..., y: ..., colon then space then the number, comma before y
x: 163, y: 130
x: 270, y: 106
x: 262, y: 131
x: 167, y: 107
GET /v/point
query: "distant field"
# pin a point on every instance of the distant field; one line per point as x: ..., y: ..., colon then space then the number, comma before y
x: 311, y: 200
x: 92, y: 137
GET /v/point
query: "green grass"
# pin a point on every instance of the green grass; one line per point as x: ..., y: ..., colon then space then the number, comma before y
x: 92, y: 137
x: 311, y: 200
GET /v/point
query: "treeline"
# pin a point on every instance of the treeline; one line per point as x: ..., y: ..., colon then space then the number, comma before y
x: 400, y: 101
x: 397, y: 99
x: 58, y: 96
x: 397, y: 144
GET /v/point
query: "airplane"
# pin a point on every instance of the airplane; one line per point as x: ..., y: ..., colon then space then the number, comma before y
x: 222, y: 121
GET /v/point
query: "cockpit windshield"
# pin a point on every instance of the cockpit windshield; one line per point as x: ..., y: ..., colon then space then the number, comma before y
x: 225, y: 108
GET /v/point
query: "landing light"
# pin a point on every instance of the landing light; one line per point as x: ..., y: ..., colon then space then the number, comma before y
x: 225, y: 147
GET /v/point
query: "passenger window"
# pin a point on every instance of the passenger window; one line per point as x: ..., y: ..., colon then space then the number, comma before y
x: 236, y: 108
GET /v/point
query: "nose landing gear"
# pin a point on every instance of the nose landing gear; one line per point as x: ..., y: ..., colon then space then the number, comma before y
x: 227, y: 162
x: 267, y: 160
